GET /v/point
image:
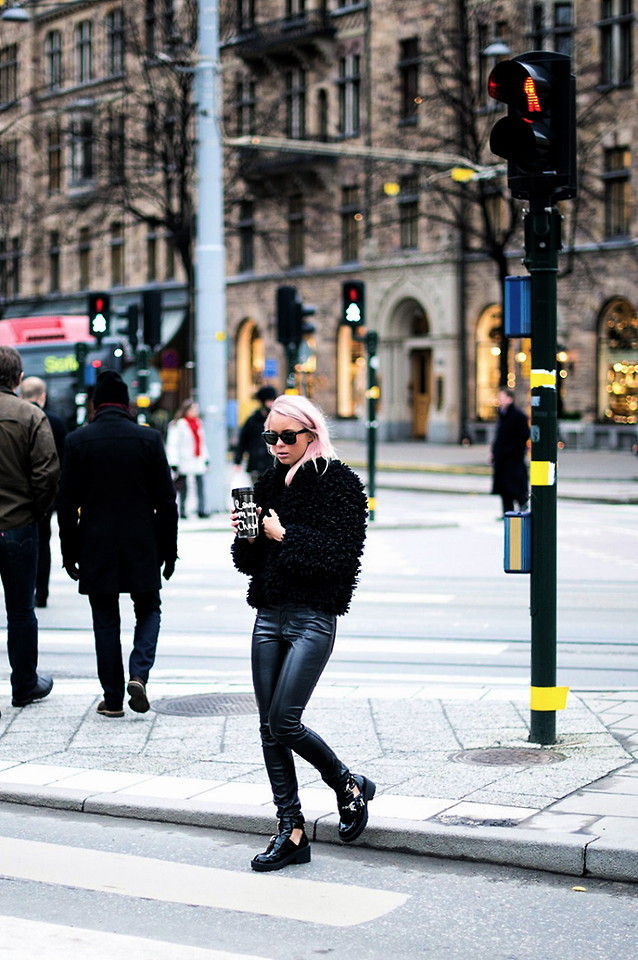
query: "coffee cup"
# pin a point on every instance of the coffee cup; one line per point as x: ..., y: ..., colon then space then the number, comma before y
x: 246, y: 509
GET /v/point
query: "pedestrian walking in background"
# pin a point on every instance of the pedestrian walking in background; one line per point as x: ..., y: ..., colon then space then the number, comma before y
x: 510, y: 480
x: 118, y: 528
x: 303, y: 568
x: 250, y: 436
x: 29, y: 474
x: 34, y: 389
x: 188, y: 455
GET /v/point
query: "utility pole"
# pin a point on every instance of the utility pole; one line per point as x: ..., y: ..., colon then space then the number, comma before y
x: 210, y: 271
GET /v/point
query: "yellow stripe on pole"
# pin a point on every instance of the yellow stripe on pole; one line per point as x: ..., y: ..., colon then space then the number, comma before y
x: 542, y: 473
x: 372, y: 504
x: 548, y: 698
x: 543, y: 378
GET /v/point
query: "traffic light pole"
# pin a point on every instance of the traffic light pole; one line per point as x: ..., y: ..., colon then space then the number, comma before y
x: 542, y: 243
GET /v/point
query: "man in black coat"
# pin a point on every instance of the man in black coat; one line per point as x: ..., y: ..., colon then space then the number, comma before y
x: 250, y: 436
x: 117, y: 513
x: 508, y: 453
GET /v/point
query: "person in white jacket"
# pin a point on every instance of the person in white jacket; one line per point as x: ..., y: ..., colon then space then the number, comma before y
x: 188, y: 455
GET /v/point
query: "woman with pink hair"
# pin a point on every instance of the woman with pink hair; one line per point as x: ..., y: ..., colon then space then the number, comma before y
x: 303, y: 567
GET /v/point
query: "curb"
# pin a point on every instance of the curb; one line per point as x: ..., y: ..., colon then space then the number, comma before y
x: 577, y: 855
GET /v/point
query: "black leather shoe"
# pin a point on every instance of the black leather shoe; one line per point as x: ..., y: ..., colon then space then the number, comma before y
x: 136, y: 689
x: 281, y: 851
x: 353, y: 808
x: 41, y: 690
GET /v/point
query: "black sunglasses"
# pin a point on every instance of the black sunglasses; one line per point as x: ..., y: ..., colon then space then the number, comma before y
x: 289, y: 437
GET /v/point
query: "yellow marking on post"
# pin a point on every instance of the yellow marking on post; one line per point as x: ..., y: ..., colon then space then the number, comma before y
x: 548, y: 698
x: 543, y: 378
x: 542, y: 473
x: 372, y: 504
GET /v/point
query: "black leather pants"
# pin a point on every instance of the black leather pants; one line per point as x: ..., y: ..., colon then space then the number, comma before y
x: 291, y: 646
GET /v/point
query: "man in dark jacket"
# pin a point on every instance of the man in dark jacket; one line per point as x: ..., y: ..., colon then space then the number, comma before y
x: 117, y: 513
x: 250, y: 437
x: 35, y: 390
x: 29, y: 472
x: 508, y: 453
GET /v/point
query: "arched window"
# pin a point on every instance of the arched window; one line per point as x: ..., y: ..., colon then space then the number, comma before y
x: 618, y: 362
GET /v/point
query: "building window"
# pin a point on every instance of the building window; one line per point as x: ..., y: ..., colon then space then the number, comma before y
x: 117, y: 255
x: 54, y: 159
x: 8, y: 74
x: 245, y: 15
x: 322, y: 115
x: 114, y: 43
x: 350, y: 219
x: 10, y: 256
x: 616, y: 52
x: 618, y: 362
x: 116, y: 157
x: 409, y: 213
x: 350, y: 95
x: 246, y: 227
x: 295, y: 9
x: 9, y: 171
x: 169, y: 22
x: 537, y: 31
x: 53, y: 60
x: 245, y: 100
x: 296, y: 103
x: 82, y: 148
x: 84, y: 258
x: 151, y: 252
x: 295, y: 231
x: 84, y: 52
x: 152, y: 136
x: 409, y: 79
x: 617, y: 183
x: 150, y: 28
x: 54, y: 261
x: 564, y: 28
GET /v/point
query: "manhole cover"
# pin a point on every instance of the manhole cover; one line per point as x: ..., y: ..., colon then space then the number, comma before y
x: 207, y: 705
x: 506, y: 756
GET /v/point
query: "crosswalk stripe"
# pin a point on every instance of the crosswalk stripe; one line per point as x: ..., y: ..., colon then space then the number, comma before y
x: 310, y: 901
x: 24, y: 939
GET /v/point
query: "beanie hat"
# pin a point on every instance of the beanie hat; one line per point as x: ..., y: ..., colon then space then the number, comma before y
x: 266, y: 393
x: 110, y: 388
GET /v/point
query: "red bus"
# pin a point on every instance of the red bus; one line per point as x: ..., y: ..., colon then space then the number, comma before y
x: 47, y: 346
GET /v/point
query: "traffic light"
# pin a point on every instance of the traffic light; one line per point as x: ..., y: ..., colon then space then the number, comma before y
x: 291, y: 311
x: 538, y: 136
x: 152, y: 310
x: 99, y: 310
x: 354, y: 307
x: 130, y: 316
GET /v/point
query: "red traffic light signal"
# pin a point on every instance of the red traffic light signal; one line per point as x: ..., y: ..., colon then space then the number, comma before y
x: 538, y: 136
x: 353, y: 309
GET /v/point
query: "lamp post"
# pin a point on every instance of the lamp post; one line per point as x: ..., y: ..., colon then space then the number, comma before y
x: 210, y: 300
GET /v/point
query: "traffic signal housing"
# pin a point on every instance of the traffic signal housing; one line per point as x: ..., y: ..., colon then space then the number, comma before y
x: 99, y: 311
x: 152, y: 310
x: 291, y: 313
x: 538, y: 136
x: 353, y: 312
x: 129, y: 328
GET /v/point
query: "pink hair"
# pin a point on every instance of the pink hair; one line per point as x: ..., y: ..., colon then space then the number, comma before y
x: 309, y: 416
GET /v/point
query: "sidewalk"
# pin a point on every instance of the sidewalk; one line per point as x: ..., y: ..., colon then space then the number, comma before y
x: 456, y: 774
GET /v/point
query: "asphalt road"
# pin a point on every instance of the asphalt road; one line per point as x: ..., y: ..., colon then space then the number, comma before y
x: 433, y: 602
x: 178, y: 887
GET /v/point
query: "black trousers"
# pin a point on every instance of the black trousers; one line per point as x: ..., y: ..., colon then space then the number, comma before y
x: 108, y: 648
x: 291, y: 645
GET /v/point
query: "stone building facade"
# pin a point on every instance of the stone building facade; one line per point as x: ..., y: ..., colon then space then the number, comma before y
x: 346, y: 123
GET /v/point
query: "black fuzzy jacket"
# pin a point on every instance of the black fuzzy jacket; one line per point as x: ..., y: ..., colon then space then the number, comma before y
x: 317, y: 563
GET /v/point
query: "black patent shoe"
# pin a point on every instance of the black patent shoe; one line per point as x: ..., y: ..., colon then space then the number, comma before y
x: 353, y: 808
x: 281, y: 851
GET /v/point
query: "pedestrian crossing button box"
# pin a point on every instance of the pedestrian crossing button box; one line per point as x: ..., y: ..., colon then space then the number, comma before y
x: 518, y: 542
